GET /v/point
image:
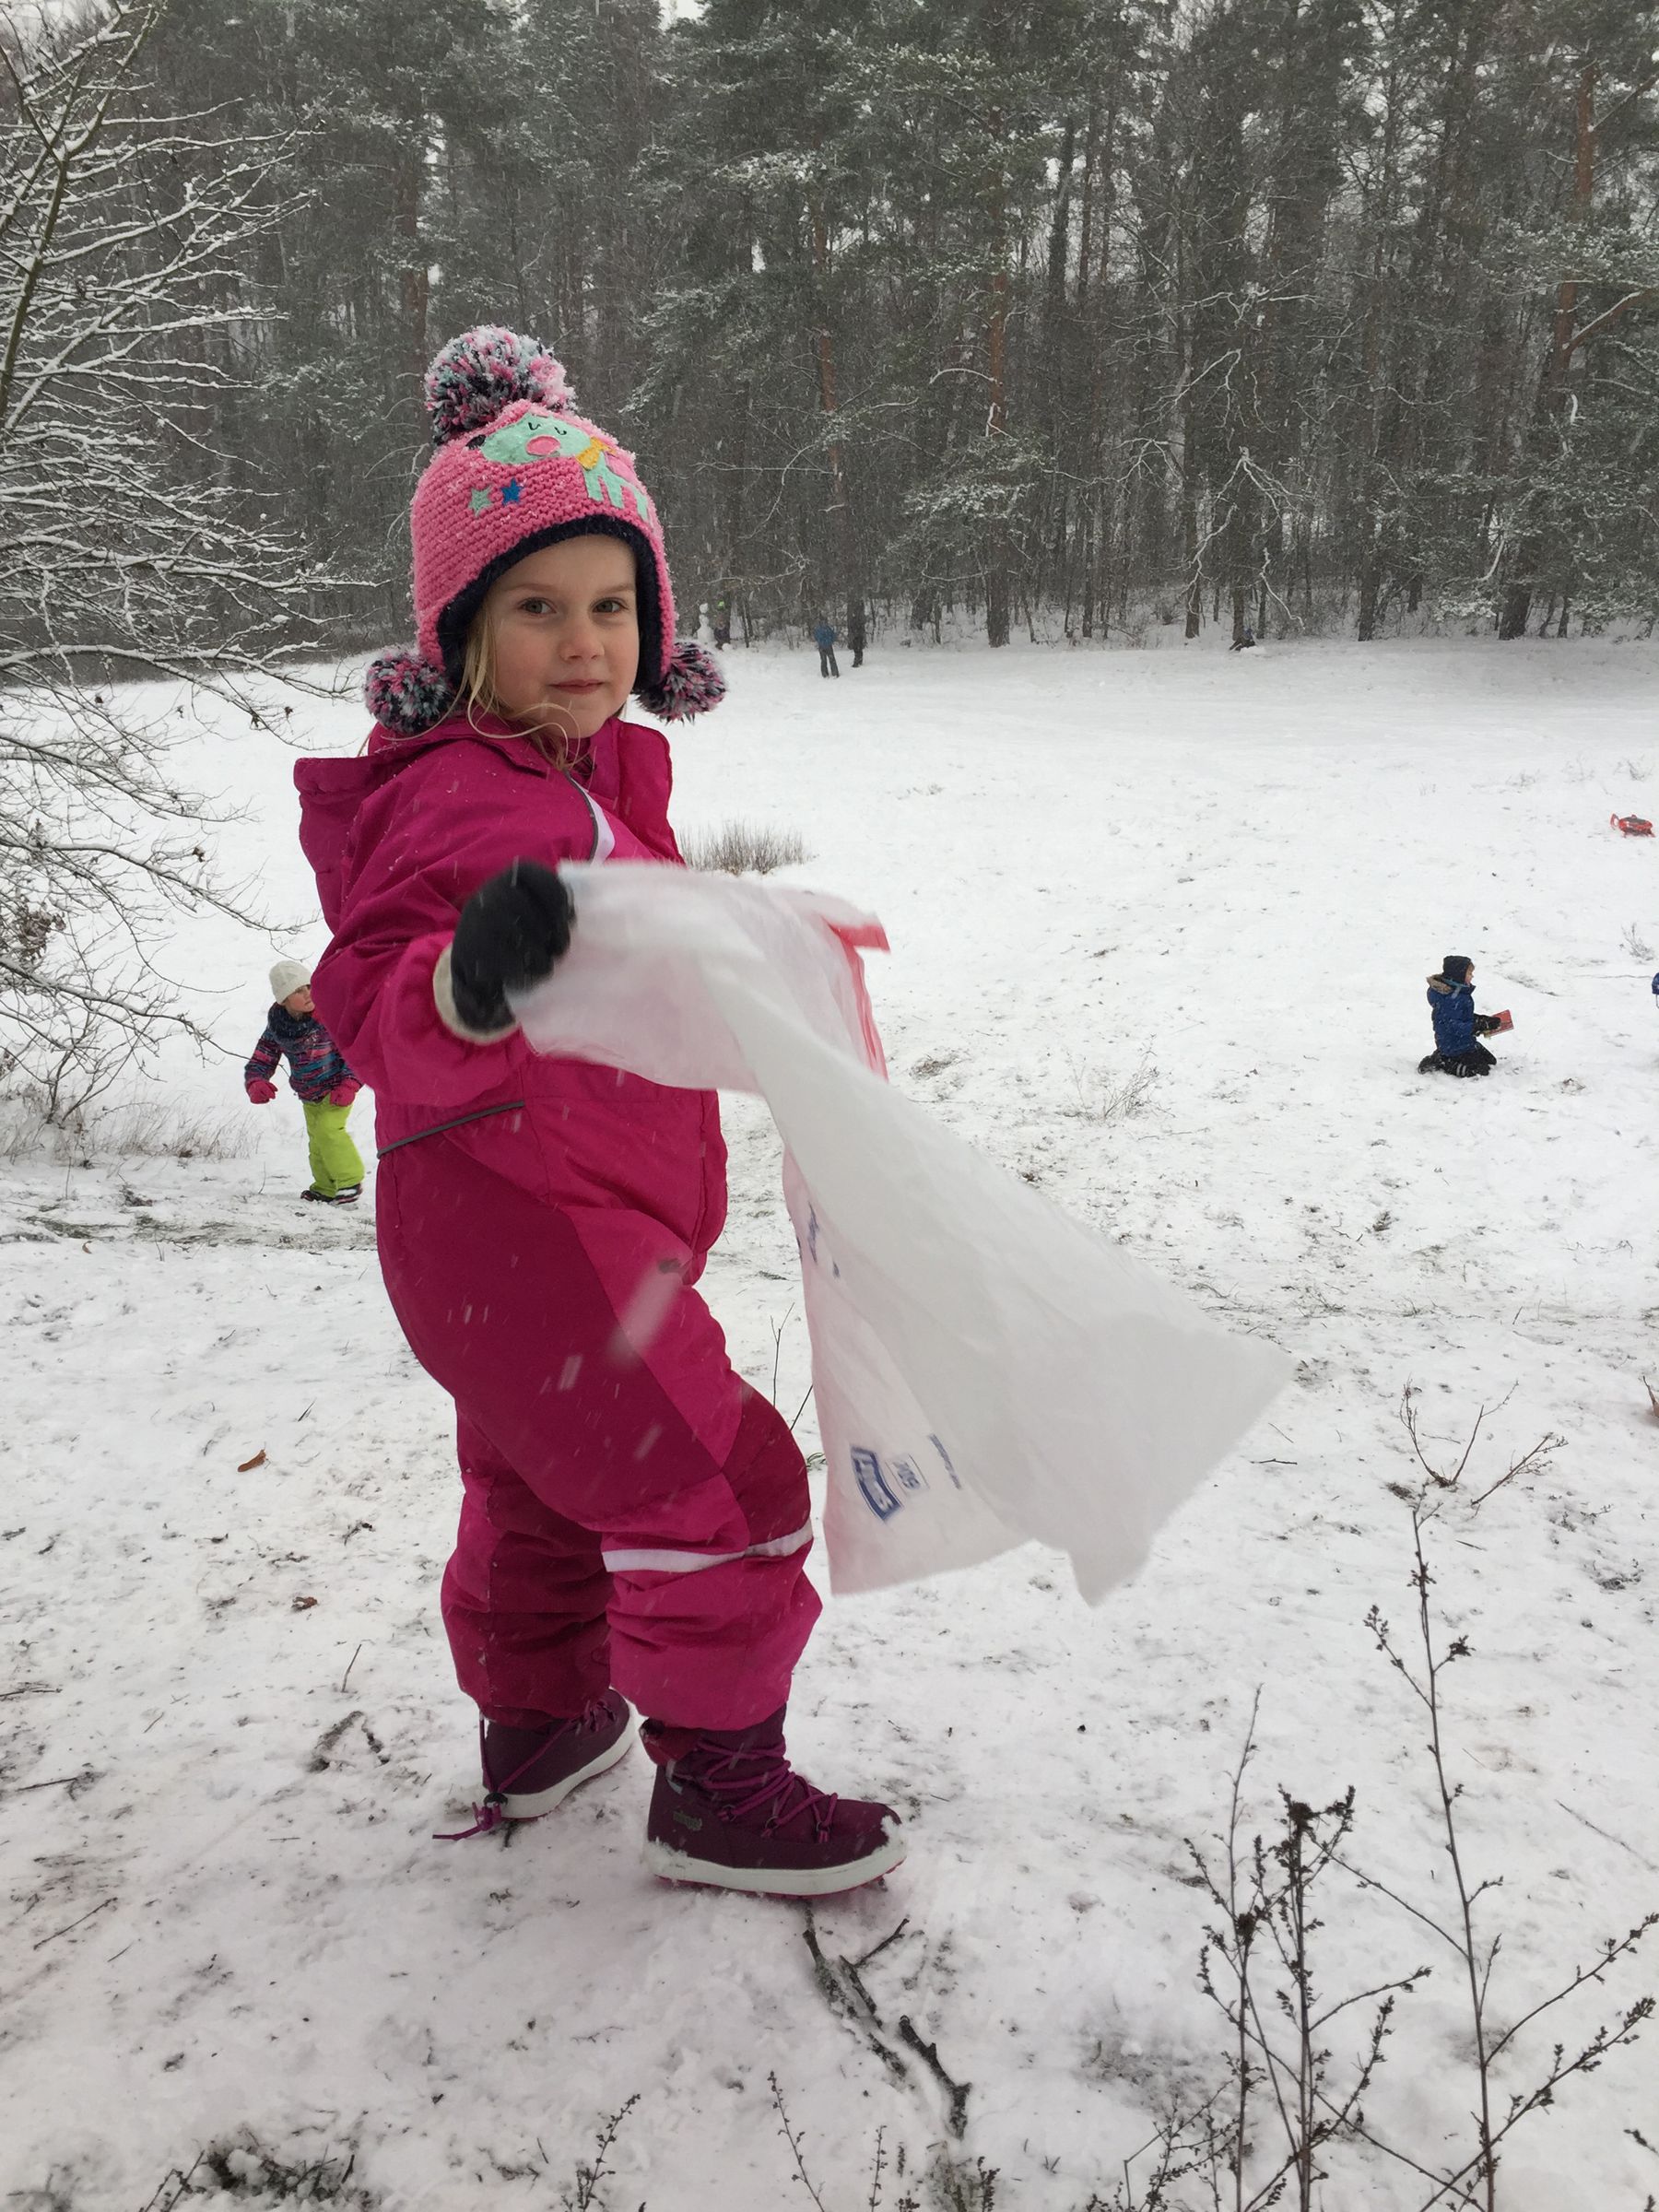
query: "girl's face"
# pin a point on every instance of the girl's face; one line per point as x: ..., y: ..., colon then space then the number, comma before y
x: 299, y: 1002
x: 565, y: 635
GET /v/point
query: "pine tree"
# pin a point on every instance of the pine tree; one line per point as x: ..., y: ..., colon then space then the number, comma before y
x: 1577, y: 497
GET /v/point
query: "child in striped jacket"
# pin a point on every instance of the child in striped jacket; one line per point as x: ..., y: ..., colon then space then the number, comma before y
x: 319, y: 1077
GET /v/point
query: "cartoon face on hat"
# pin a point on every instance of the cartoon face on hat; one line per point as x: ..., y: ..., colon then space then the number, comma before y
x: 533, y: 436
x: 517, y: 468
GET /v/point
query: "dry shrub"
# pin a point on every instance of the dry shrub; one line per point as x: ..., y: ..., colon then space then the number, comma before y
x: 141, y: 1129
x: 1103, y: 1096
x: 739, y: 848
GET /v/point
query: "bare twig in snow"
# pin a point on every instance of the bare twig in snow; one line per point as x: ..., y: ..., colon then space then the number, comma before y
x: 955, y: 2118
x: 73, y: 1925
x: 794, y: 2141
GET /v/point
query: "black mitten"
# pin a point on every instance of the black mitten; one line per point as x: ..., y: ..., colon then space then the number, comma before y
x: 510, y: 932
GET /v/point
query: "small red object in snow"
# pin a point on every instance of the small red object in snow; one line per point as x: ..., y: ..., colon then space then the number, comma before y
x: 1504, y: 1021
x: 1632, y: 824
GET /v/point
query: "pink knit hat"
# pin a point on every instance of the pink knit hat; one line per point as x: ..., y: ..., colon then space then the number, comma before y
x: 517, y: 468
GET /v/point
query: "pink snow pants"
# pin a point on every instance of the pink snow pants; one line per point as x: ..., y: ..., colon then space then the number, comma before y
x: 633, y: 1514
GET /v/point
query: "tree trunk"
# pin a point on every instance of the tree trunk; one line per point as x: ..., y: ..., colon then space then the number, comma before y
x: 1531, y: 553
x: 1371, y: 578
x: 1188, y: 538
x: 997, y: 607
x: 996, y: 424
x: 843, y: 532
x: 414, y: 282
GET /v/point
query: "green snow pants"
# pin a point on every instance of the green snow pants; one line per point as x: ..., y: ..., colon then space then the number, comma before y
x: 335, y: 1162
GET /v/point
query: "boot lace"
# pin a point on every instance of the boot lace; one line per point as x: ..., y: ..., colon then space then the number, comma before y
x: 746, y: 1783
x: 492, y: 1813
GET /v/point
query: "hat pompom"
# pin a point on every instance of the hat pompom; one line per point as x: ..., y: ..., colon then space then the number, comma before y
x: 406, y: 694
x: 691, y: 684
x: 488, y: 368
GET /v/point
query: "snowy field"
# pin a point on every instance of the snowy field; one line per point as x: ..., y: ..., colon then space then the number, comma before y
x: 1161, y: 926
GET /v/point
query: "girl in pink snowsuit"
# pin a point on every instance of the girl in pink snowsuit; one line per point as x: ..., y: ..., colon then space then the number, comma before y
x: 635, y: 1521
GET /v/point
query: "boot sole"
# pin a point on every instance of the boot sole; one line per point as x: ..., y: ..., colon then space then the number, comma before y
x: 671, y: 1866
x: 523, y: 1807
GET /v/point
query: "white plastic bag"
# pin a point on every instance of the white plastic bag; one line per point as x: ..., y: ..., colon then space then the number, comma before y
x: 986, y: 1370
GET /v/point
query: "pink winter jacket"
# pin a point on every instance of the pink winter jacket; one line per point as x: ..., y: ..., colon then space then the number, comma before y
x: 400, y: 839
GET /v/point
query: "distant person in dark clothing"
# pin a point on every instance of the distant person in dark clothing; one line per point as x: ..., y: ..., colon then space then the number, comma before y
x: 855, y: 632
x: 1456, y: 1024
x: 1243, y: 642
x: 722, y: 623
x: 823, y: 637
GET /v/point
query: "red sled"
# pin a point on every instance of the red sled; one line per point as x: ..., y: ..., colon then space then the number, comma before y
x: 1632, y: 824
x: 1503, y: 1021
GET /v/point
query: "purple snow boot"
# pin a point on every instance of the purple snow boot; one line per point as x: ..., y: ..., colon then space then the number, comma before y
x: 729, y: 1810
x: 527, y: 1771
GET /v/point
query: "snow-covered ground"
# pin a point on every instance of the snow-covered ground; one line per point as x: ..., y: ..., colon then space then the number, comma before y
x: 1160, y: 925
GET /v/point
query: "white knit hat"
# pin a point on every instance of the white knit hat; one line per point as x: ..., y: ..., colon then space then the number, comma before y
x: 289, y: 976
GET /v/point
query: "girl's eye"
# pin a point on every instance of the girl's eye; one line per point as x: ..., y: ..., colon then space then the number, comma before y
x: 611, y: 606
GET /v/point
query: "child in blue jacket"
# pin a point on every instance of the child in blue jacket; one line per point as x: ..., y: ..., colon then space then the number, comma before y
x: 1456, y: 1024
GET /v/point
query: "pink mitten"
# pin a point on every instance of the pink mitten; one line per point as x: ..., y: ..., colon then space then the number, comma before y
x: 262, y: 1092
x: 343, y: 1093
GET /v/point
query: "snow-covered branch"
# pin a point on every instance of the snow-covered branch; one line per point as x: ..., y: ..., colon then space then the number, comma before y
x: 129, y: 545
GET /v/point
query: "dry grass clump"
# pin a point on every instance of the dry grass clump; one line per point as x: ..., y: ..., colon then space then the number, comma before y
x: 142, y: 1129
x: 739, y: 848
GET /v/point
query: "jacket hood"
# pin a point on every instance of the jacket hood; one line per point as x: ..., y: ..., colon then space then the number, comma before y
x: 331, y: 791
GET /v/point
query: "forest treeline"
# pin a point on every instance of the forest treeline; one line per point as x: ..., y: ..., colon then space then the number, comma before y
x: 1090, y: 313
